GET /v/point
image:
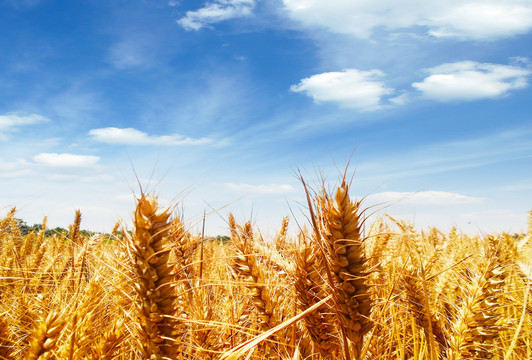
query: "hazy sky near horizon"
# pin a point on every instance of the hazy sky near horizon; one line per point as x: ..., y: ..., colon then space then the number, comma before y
x: 218, y: 104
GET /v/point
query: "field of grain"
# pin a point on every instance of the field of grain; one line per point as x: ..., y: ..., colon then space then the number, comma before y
x: 339, y: 289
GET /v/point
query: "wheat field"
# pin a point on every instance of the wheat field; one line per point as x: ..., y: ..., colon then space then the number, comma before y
x: 340, y: 288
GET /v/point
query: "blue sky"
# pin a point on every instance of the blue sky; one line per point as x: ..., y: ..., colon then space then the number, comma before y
x: 217, y: 104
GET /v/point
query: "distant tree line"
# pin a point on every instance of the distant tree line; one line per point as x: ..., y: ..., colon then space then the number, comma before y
x: 25, y: 229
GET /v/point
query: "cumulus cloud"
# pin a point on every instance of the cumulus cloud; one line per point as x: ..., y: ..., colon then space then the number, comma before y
x: 260, y: 189
x: 423, y: 197
x: 65, y: 160
x: 11, y: 122
x: 463, y: 19
x: 468, y: 80
x: 216, y: 11
x: 350, y: 88
x: 131, y: 136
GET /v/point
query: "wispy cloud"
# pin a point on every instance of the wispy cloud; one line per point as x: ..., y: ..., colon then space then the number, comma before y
x: 135, y: 51
x: 216, y: 11
x: 17, y: 173
x: 10, y: 165
x: 469, y: 19
x: 469, y: 80
x: 259, y: 189
x: 77, y: 102
x: 350, y: 88
x: 14, y: 168
x: 11, y: 122
x: 451, y: 156
x: 131, y: 136
x: 65, y: 160
x: 423, y: 197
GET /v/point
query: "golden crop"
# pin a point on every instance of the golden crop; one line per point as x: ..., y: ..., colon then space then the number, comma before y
x: 331, y: 292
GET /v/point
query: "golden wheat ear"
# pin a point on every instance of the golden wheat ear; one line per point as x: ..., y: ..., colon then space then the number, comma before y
x: 155, y: 279
x: 311, y: 289
x: 247, y: 267
x: 341, y: 236
x: 44, y: 337
x: 475, y: 328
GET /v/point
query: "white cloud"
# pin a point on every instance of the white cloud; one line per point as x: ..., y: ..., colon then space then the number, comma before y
x: 260, y: 189
x: 463, y: 19
x: 468, y: 80
x: 65, y: 160
x: 216, y: 11
x: 131, y: 136
x: 11, y: 122
x: 423, y: 197
x: 350, y: 88
x: 484, y: 20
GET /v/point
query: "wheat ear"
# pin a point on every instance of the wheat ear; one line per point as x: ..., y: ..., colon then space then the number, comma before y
x: 310, y: 290
x: 150, y: 249
x: 475, y: 324
x: 44, y: 337
x: 342, y: 237
x: 247, y: 267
